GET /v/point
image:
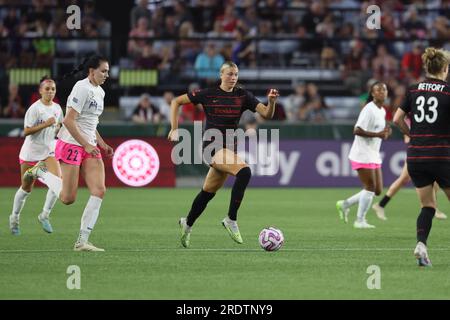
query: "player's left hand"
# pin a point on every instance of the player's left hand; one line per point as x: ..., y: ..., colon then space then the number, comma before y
x: 109, y: 151
x: 273, y: 95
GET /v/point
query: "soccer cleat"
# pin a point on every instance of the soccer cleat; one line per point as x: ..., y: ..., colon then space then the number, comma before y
x: 343, y: 212
x: 185, y: 232
x: 233, y: 229
x: 379, y: 211
x: 362, y: 225
x: 440, y: 215
x: 421, y: 254
x: 33, y: 172
x: 86, y: 246
x: 45, y: 223
x: 14, y: 225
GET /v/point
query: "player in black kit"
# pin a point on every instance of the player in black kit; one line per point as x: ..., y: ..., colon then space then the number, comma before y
x: 223, y: 106
x: 428, y: 156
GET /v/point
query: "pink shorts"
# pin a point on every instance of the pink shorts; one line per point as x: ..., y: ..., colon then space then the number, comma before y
x: 30, y: 163
x: 358, y: 165
x: 72, y: 154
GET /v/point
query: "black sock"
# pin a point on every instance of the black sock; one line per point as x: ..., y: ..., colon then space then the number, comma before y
x: 237, y: 193
x: 198, y: 206
x: 424, y: 222
x: 384, y: 201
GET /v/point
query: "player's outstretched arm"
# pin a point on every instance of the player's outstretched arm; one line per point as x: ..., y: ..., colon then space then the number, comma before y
x: 174, y: 109
x: 267, y: 111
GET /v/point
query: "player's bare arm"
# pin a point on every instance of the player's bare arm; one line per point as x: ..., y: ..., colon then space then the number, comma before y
x: 267, y: 111
x: 32, y: 130
x: 399, y: 120
x: 174, y: 108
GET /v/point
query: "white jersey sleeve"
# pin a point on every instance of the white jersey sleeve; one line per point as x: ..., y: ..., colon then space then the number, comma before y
x: 78, y: 97
x: 31, y: 117
x: 364, y: 119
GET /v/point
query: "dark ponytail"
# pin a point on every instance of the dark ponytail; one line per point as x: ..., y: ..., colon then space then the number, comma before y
x: 87, y: 63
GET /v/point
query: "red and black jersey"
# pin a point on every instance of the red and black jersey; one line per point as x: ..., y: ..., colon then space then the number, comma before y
x: 428, y: 104
x: 223, y: 109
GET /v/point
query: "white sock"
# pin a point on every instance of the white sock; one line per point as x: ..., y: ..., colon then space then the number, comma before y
x: 365, y: 200
x: 53, y: 182
x: 19, y: 201
x: 352, y: 200
x: 50, y: 201
x: 89, y: 217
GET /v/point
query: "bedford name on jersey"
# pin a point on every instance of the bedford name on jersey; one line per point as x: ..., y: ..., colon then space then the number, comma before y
x: 430, y: 86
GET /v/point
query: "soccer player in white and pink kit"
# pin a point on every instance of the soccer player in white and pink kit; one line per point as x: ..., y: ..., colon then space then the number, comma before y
x: 364, y: 155
x: 77, y: 148
x: 41, y: 124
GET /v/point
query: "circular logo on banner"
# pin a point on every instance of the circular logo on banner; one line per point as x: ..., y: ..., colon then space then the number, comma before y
x: 136, y: 163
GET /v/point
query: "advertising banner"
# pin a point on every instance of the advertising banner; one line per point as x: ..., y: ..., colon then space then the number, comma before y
x: 318, y: 163
x: 142, y: 162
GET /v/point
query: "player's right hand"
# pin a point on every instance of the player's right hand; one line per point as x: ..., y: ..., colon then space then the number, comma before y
x: 173, y: 135
x: 50, y: 121
x: 92, y: 150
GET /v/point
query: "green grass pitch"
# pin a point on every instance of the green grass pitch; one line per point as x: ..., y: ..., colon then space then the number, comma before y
x: 322, y: 258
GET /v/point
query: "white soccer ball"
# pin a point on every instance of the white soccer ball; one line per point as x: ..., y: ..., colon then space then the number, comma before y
x: 271, y: 239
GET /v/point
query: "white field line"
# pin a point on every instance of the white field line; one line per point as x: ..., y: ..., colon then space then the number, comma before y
x: 178, y: 250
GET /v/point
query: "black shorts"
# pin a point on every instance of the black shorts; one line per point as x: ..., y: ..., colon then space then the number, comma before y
x: 208, y: 157
x: 426, y: 173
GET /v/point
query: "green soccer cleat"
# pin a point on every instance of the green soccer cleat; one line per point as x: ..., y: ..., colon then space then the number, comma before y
x: 233, y: 229
x: 45, y: 223
x: 14, y: 225
x: 185, y: 232
x: 33, y: 172
x: 343, y: 212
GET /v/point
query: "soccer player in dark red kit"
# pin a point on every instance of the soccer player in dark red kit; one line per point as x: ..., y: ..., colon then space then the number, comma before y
x: 223, y: 106
x: 428, y: 156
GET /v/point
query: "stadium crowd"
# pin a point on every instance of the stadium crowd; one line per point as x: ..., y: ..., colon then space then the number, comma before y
x: 191, y: 39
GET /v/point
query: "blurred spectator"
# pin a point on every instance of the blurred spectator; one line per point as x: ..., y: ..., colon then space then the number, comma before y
x: 139, y: 11
x: 14, y: 108
x: 314, y: 108
x: 354, y: 67
x: 11, y: 21
x: 164, y: 106
x: 136, y: 46
x: 399, y: 93
x: 191, y: 112
x: 228, y: 18
x: 243, y: 50
x: 328, y: 58
x: 146, y: 111
x: 149, y: 59
x: 411, y: 65
x: 384, y: 65
x: 294, y: 101
x: 208, y: 63
x: 414, y: 26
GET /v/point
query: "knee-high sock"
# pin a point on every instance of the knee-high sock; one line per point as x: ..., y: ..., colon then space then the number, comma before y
x: 89, y: 217
x: 53, y: 182
x: 365, y: 200
x: 237, y: 193
x: 50, y: 201
x: 198, y: 206
x: 352, y: 200
x: 424, y: 222
x: 19, y: 201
